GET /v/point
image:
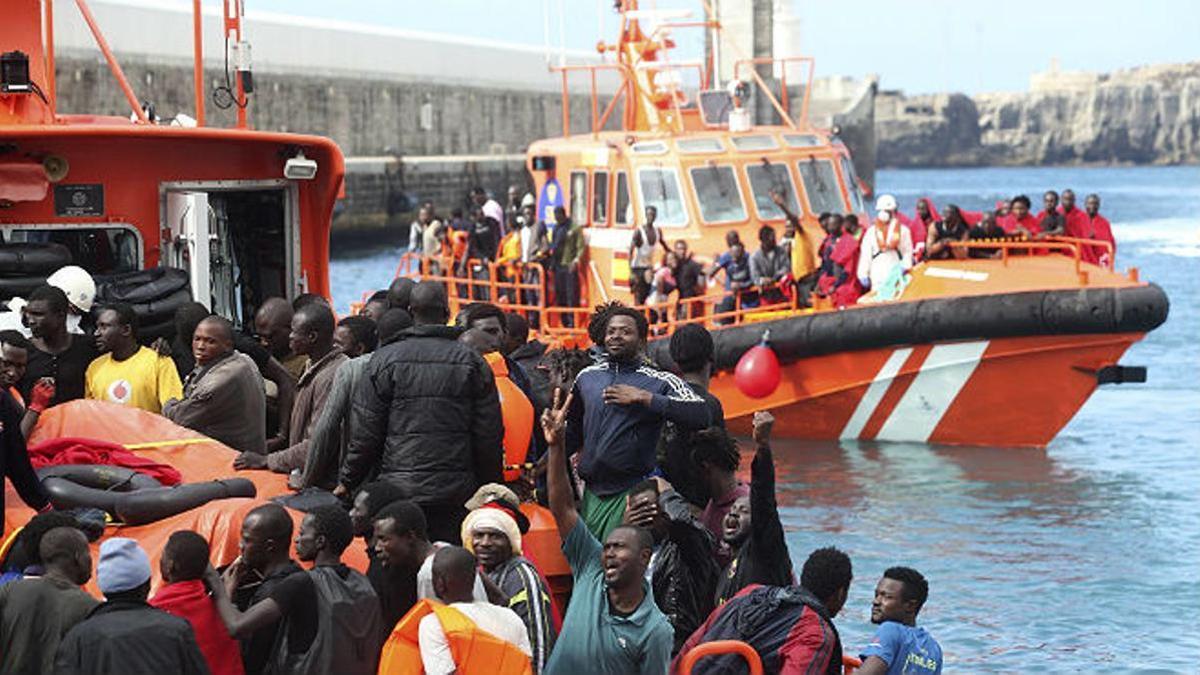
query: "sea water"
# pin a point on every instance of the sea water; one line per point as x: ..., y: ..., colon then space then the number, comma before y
x: 1084, y: 556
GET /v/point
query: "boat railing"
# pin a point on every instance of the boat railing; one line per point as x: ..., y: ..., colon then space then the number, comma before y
x: 599, y: 121
x: 1071, y: 247
x: 716, y: 647
x: 784, y: 107
x: 523, y: 288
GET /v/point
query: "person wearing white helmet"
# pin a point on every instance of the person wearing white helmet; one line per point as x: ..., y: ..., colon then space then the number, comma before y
x: 81, y: 293
x: 887, y: 250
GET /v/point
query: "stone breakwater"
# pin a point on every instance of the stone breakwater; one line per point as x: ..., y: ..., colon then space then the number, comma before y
x: 1148, y: 115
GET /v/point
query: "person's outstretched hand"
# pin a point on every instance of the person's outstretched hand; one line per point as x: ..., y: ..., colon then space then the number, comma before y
x: 250, y: 460
x: 763, y: 421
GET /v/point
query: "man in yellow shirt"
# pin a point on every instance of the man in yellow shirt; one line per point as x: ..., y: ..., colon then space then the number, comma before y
x: 127, y: 372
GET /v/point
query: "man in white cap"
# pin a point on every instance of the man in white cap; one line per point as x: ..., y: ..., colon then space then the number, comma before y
x: 126, y: 635
x: 887, y: 251
x: 492, y: 533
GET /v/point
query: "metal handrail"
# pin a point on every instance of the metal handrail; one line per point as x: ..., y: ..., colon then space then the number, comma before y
x: 701, y: 309
x: 753, y: 662
x: 592, y: 69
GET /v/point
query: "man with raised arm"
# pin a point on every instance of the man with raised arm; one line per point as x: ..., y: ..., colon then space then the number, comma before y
x: 612, y: 624
x: 752, y: 528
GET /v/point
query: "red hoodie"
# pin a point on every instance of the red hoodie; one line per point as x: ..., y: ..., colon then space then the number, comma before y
x: 1010, y: 223
x: 189, y: 600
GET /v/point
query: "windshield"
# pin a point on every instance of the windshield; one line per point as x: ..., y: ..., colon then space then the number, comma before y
x: 765, y: 178
x: 821, y: 186
x: 856, y: 198
x: 718, y: 194
x: 660, y: 189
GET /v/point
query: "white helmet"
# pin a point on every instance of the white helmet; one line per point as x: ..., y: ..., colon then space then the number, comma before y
x: 77, y: 284
x: 886, y: 203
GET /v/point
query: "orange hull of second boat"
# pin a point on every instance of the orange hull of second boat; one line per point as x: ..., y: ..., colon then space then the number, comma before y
x: 1018, y: 391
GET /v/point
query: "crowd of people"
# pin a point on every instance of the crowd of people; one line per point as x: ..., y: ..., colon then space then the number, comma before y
x: 421, y: 434
x: 854, y: 262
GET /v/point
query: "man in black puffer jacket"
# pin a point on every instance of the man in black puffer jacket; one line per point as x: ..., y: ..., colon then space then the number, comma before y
x: 429, y: 418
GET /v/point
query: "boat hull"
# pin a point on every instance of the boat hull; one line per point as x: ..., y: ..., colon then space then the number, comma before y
x: 1008, y: 391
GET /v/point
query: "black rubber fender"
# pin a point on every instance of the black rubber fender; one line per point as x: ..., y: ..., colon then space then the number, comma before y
x: 1132, y: 309
x: 20, y: 287
x: 145, y: 506
x: 29, y: 259
x: 142, y: 286
x: 100, y: 477
x: 162, y: 309
x: 149, y: 331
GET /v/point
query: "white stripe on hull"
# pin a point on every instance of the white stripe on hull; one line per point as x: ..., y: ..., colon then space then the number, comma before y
x: 879, y: 386
x: 943, y: 374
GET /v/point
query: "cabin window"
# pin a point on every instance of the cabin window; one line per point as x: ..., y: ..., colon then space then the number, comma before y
x: 660, y: 189
x: 622, y: 210
x: 650, y: 148
x: 745, y: 143
x: 766, y: 178
x: 856, y: 199
x: 695, y: 146
x: 97, y: 248
x: 802, y: 140
x: 821, y: 186
x: 579, y: 196
x: 718, y: 194
x: 600, y: 198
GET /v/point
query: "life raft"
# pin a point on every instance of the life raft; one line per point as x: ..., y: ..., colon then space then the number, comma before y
x: 25, y: 266
x: 32, y: 260
x: 155, y: 295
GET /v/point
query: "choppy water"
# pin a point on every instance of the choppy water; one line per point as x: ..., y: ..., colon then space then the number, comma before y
x: 1081, y: 557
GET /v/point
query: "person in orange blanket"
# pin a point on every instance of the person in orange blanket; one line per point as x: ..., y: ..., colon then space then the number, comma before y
x: 1100, y: 229
x: 184, y: 560
x: 1019, y: 220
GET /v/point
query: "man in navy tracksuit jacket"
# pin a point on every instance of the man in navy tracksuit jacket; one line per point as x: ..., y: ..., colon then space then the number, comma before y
x: 617, y: 411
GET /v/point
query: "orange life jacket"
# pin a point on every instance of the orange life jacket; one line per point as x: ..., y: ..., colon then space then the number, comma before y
x: 475, y: 652
x: 518, y: 416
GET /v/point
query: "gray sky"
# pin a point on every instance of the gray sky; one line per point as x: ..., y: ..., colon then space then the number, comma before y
x: 916, y: 45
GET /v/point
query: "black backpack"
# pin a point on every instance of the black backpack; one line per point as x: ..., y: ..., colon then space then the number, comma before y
x: 348, y: 629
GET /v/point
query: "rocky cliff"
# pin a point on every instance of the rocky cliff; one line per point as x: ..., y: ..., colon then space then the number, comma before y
x: 1147, y: 115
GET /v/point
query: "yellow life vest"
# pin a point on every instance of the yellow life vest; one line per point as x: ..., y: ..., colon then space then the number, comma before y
x: 475, y: 652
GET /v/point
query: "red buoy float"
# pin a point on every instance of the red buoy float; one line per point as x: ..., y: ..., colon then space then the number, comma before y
x: 758, y: 373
